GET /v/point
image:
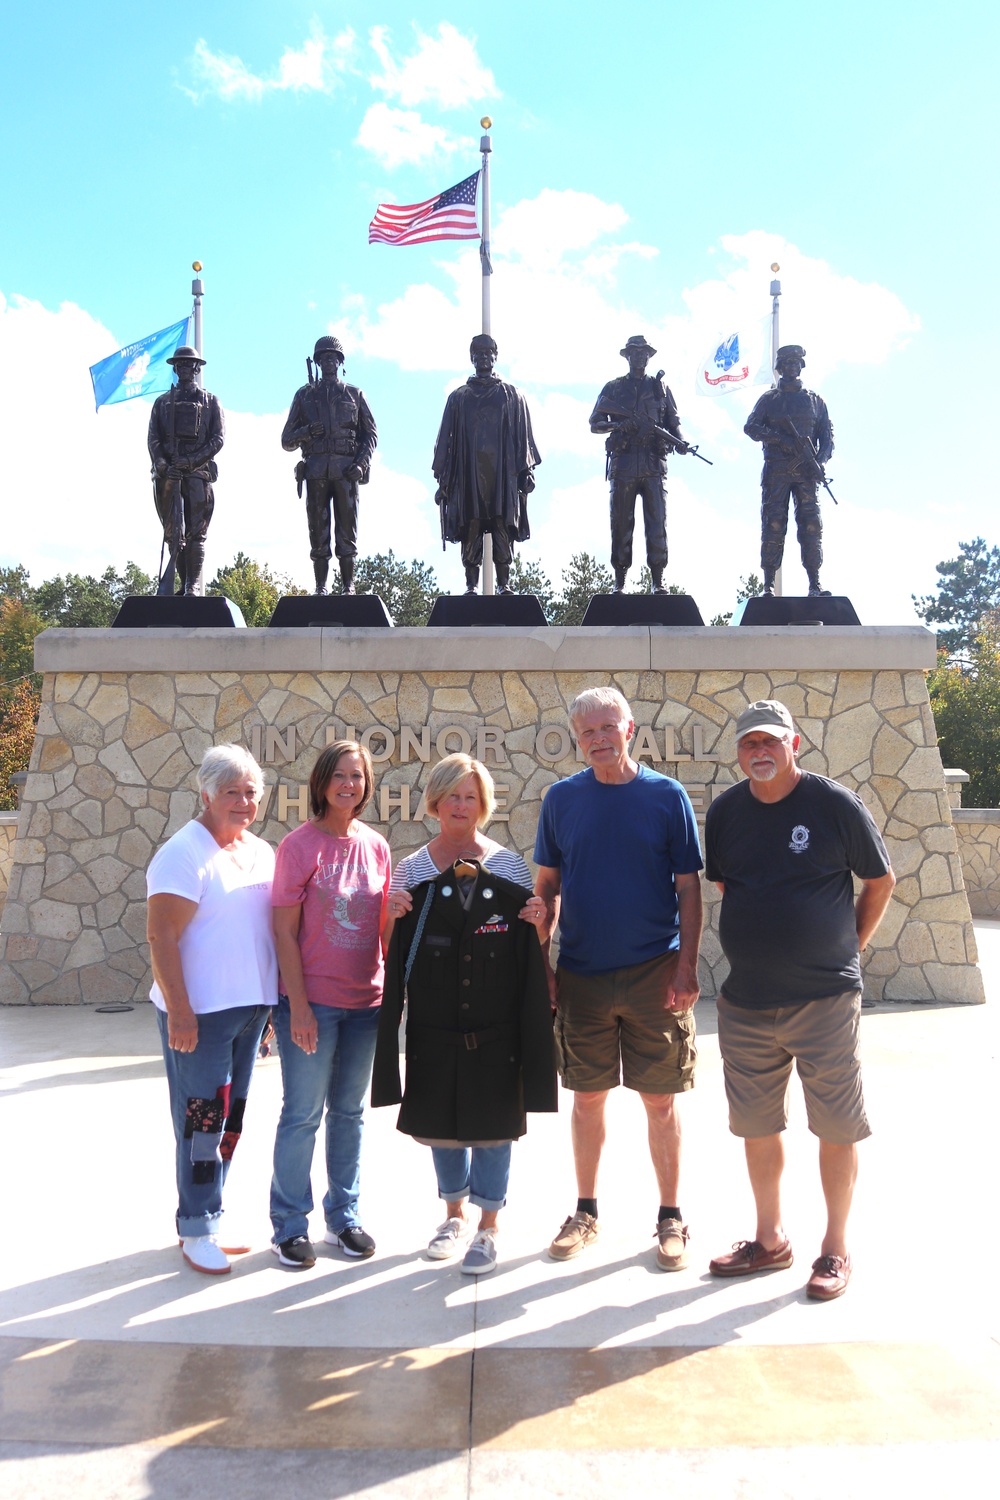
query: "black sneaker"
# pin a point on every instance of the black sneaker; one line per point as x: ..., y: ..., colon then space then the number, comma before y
x: 352, y: 1240
x: 297, y: 1252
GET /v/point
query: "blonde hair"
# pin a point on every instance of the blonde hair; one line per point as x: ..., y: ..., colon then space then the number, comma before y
x: 445, y: 778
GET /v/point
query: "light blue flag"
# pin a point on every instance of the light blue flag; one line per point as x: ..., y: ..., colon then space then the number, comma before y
x: 139, y: 369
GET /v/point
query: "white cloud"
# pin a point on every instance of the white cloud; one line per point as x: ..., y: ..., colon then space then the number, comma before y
x: 398, y: 136
x: 444, y: 70
x: 315, y: 66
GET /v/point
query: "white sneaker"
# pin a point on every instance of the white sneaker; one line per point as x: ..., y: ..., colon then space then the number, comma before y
x: 202, y: 1253
x: 481, y: 1256
x: 451, y: 1237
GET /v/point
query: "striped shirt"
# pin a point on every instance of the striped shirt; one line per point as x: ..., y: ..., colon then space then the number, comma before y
x: 415, y: 868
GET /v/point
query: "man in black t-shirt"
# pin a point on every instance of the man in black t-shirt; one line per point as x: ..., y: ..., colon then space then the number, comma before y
x: 782, y: 847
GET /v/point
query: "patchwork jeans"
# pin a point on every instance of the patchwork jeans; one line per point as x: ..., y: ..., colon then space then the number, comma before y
x: 208, y: 1094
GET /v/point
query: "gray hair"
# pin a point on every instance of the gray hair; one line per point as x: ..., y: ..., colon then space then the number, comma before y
x: 599, y: 697
x: 221, y: 765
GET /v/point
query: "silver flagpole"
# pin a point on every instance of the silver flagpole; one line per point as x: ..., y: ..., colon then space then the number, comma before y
x: 197, y: 292
x: 486, y: 147
x: 775, y: 295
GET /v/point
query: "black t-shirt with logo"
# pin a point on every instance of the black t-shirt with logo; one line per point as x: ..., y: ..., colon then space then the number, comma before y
x: 787, y: 923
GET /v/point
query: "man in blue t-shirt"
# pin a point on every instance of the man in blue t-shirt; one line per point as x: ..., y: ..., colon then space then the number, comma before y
x: 618, y: 856
x: 783, y: 847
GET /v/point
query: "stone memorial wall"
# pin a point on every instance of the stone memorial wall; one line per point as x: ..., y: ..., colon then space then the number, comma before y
x: 126, y: 717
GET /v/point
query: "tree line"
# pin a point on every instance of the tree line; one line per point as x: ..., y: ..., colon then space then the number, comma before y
x: 964, y: 687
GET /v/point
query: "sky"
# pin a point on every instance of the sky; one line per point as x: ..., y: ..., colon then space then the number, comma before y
x: 649, y: 164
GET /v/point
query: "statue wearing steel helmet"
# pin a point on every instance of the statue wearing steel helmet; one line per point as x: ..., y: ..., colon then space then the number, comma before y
x: 332, y: 424
x: 186, y: 430
x: 794, y: 427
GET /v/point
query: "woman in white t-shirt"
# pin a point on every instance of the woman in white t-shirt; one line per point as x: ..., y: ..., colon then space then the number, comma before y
x: 215, y: 976
x: 330, y: 885
x: 460, y: 794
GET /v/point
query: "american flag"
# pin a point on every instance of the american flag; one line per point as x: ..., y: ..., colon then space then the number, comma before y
x: 450, y: 215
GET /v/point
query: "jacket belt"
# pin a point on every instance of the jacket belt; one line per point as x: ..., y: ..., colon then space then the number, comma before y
x: 470, y: 1040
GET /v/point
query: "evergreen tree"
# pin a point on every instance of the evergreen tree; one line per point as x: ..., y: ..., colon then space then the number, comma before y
x: 968, y: 591
x: 78, y: 601
x: 581, y: 580
x: 408, y: 591
x: 252, y: 587
x: 529, y: 578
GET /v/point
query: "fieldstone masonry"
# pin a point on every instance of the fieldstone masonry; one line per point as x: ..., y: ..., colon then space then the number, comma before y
x: 112, y: 767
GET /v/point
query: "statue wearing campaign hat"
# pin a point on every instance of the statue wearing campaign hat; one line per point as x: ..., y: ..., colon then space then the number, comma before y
x: 331, y: 422
x: 794, y: 427
x: 639, y: 416
x: 186, y: 430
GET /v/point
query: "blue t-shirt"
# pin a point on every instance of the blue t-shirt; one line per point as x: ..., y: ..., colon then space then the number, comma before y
x: 617, y: 849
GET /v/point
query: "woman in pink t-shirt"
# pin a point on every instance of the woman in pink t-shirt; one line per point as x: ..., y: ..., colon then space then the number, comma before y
x: 331, y: 879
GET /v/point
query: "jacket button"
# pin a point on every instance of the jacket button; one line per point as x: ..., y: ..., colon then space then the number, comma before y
x: 466, y: 981
x: 465, y: 1004
x: 467, y: 957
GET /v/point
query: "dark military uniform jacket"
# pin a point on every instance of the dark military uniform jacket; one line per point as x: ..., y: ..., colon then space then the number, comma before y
x: 479, y: 1047
x: 189, y: 427
x: 638, y: 456
x: 808, y: 414
x: 349, y: 434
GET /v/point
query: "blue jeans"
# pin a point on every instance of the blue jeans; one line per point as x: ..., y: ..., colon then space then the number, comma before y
x: 208, y: 1093
x: 479, y: 1173
x: 338, y: 1075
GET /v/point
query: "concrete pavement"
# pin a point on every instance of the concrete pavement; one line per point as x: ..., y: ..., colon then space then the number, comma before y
x: 125, y: 1374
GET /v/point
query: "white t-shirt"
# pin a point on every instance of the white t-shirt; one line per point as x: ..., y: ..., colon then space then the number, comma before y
x: 227, y: 949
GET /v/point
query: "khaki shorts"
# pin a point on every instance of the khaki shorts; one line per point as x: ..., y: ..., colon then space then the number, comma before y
x: 614, y: 1027
x: 822, y: 1037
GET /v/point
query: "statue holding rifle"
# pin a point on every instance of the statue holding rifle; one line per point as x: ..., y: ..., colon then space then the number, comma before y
x: 332, y: 424
x: 186, y: 431
x: 794, y: 427
x: 639, y: 416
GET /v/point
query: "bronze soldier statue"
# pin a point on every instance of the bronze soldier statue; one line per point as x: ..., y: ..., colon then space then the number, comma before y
x: 639, y: 415
x: 332, y: 423
x: 186, y: 430
x: 483, y: 461
x: 794, y: 426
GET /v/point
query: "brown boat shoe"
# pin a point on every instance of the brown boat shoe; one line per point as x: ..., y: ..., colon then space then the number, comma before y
x: 830, y: 1275
x: 576, y: 1233
x: 671, y: 1251
x: 747, y: 1257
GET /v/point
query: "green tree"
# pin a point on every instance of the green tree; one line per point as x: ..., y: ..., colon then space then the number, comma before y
x: 965, y: 699
x: 252, y: 587
x: 749, y: 588
x: 20, y: 691
x: 969, y: 589
x: 77, y: 601
x: 408, y: 591
x: 529, y: 578
x: 581, y: 580
x: 14, y: 582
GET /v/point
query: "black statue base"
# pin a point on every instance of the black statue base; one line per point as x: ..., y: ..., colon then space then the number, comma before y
x: 829, y: 609
x: 477, y: 610
x: 160, y: 611
x: 642, y: 609
x: 356, y: 611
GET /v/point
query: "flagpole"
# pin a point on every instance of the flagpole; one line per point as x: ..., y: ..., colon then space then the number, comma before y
x: 486, y: 147
x: 775, y: 295
x: 197, y: 292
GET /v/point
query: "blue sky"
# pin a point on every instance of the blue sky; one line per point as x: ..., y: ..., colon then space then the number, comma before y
x: 648, y: 166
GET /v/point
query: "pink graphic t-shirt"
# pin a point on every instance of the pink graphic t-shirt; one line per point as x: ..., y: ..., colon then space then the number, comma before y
x: 341, y: 885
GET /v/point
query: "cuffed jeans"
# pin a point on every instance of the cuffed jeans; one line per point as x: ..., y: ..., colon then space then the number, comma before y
x: 337, y: 1074
x: 479, y: 1173
x: 208, y: 1094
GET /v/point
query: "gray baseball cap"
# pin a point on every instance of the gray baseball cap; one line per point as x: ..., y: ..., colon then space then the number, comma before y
x: 767, y: 713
